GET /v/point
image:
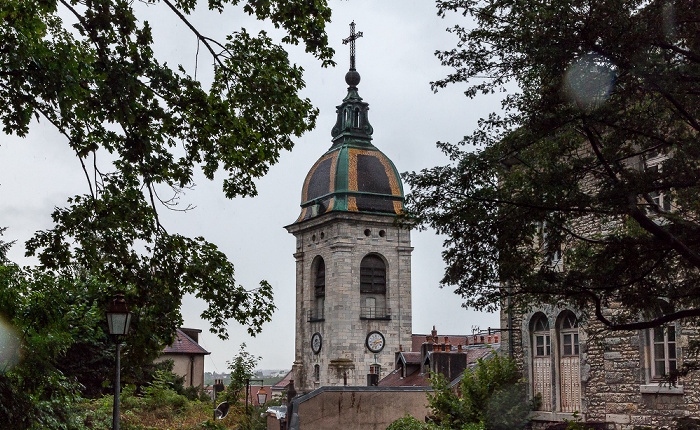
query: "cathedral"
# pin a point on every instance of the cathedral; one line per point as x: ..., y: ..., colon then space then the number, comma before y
x: 353, y: 265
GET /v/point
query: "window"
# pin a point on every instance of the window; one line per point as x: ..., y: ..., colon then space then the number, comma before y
x: 373, y: 288
x: 551, y: 250
x: 569, y: 363
x: 569, y: 335
x: 661, y: 198
x: 319, y: 280
x: 541, y: 336
x: 663, y: 351
x: 541, y: 360
x: 375, y: 369
x: 317, y: 372
x: 356, y: 118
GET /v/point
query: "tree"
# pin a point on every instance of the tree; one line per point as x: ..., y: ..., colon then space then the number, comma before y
x: 593, y: 162
x: 491, y: 394
x: 141, y: 129
x: 45, y: 319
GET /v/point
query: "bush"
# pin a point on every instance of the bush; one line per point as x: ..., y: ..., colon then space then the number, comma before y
x: 406, y: 423
x: 492, y: 394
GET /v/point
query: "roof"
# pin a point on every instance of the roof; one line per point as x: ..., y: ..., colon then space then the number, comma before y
x: 408, y: 358
x: 416, y: 379
x: 185, y: 345
x: 282, y: 384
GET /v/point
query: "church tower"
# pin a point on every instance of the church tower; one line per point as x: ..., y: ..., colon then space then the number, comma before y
x: 353, y: 265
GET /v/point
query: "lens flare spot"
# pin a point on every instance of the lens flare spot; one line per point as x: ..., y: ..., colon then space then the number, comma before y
x: 9, y: 346
x: 669, y: 22
x: 589, y: 81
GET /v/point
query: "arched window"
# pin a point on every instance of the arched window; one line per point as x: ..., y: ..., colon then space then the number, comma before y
x: 356, y: 118
x: 319, y: 279
x: 373, y: 288
x: 569, y: 362
x: 541, y: 360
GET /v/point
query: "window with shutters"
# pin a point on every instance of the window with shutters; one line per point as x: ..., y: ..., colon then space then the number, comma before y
x: 541, y: 360
x: 569, y: 362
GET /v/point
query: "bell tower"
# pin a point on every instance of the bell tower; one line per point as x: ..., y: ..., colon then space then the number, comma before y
x: 353, y: 265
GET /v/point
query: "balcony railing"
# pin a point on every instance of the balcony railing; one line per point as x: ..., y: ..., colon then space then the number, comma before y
x: 375, y: 313
x: 314, y: 315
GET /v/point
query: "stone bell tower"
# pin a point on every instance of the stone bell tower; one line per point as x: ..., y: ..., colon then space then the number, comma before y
x: 353, y: 265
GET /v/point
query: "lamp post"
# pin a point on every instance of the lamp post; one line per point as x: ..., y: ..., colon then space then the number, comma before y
x: 247, y: 393
x: 118, y: 319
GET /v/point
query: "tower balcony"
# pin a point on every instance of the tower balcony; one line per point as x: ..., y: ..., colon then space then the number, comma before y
x: 315, y: 315
x: 375, y: 313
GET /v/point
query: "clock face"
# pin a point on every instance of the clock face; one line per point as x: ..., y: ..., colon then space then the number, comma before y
x: 375, y: 341
x: 316, y: 342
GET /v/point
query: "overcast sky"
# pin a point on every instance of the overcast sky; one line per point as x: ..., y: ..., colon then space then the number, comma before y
x: 396, y: 61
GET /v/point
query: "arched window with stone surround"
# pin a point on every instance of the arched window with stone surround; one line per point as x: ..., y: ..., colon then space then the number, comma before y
x: 373, y: 288
x: 569, y: 362
x: 319, y: 280
x: 541, y: 360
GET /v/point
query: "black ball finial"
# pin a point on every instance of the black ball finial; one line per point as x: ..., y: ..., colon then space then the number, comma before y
x: 352, y: 78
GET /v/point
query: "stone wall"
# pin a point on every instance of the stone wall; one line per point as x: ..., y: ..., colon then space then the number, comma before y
x: 361, y: 408
x: 615, y: 371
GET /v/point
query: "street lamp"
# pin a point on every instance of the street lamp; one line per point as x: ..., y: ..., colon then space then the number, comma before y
x: 118, y: 319
x: 262, y: 396
x: 247, y: 393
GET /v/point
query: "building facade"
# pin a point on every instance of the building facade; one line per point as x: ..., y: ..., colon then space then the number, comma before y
x: 187, y: 356
x: 353, y: 265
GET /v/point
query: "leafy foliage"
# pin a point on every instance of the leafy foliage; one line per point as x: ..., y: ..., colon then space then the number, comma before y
x: 49, y: 319
x: 242, y: 368
x: 594, y: 163
x: 490, y: 394
x: 141, y: 131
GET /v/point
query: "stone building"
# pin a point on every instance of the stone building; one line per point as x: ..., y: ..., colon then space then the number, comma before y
x: 187, y: 356
x: 614, y: 378
x: 579, y: 370
x: 353, y: 265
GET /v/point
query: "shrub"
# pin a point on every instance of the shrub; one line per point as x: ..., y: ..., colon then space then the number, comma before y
x: 492, y: 393
x: 406, y: 423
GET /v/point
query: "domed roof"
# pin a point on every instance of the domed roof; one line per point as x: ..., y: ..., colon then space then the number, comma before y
x: 353, y: 175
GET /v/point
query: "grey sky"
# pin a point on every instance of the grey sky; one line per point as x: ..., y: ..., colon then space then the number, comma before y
x: 395, y: 59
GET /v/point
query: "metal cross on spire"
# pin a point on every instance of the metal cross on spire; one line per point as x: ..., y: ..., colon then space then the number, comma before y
x: 353, y: 36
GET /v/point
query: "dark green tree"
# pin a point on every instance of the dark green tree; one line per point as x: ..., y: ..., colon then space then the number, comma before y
x: 43, y: 319
x: 141, y: 129
x: 594, y: 161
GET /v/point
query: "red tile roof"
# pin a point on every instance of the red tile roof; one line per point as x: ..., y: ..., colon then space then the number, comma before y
x: 184, y: 344
x: 281, y: 385
x: 416, y: 379
x: 410, y: 358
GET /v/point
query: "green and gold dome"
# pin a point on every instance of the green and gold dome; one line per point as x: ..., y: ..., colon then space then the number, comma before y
x: 353, y: 175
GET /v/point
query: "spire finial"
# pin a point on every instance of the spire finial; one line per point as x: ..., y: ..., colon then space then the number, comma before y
x: 351, y: 40
x: 352, y: 78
